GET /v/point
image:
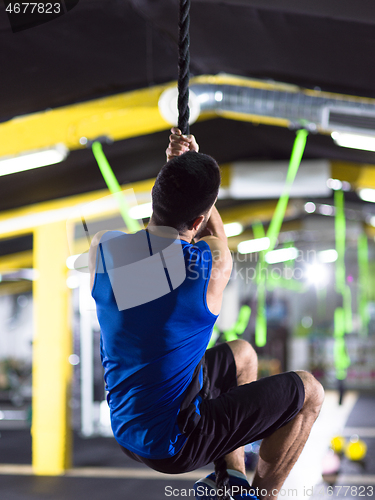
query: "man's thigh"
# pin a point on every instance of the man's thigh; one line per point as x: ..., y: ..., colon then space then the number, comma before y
x: 245, y: 414
x: 221, y: 369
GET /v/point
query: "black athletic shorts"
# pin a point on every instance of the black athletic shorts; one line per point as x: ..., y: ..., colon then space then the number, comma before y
x: 235, y: 416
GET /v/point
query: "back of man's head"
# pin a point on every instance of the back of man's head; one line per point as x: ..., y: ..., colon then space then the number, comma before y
x: 186, y: 187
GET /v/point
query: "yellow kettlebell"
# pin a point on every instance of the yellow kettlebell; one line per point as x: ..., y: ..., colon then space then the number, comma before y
x: 338, y: 444
x: 356, y: 449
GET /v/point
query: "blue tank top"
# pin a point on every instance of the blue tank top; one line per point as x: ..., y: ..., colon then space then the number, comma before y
x: 152, y: 352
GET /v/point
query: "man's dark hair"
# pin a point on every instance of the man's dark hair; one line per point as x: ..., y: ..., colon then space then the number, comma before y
x: 186, y: 187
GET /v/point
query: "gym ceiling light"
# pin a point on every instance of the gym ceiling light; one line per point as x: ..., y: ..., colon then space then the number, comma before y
x: 33, y: 159
x: 354, y: 141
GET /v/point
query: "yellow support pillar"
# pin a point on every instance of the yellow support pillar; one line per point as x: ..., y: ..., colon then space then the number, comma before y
x: 51, y: 432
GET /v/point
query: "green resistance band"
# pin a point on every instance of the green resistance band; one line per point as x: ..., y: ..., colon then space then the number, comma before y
x: 261, y: 319
x: 343, y: 315
x: 114, y: 187
x: 273, y: 233
x: 294, y: 163
x: 363, y: 271
x: 261, y: 274
x: 240, y: 325
x: 340, y: 354
x: 340, y: 235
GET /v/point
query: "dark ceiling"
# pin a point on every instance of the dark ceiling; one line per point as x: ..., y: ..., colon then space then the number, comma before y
x: 104, y: 47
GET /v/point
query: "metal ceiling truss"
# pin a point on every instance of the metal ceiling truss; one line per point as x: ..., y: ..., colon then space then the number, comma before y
x: 288, y: 105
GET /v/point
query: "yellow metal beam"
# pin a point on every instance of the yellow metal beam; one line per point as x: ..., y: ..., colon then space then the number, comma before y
x: 121, y: 116
x: 20, y: 260
x: 51, y: 433
x: 369, y: 230
x: 225, y: 171
x: 345, y: 171
x: 366, y: 177
x: 15, y: 287
x: 359, y: 176
x: 26, y: 219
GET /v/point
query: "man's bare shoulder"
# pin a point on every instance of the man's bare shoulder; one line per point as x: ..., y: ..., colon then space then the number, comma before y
x: 219, y: 249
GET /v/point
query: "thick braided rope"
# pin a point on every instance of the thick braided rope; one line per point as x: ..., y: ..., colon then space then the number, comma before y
x: 222, y: 476
x: 183, y: 66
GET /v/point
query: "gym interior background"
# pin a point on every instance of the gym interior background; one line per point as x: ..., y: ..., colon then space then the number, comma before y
x: 302, y: 289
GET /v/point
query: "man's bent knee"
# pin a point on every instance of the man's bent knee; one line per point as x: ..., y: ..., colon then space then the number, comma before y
x: 243, y: 352
x: 245, y: 358
x: 314, y: 392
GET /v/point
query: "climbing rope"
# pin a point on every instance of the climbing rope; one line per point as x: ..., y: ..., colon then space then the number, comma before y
x: 222, y: 477
x: 183, y: 66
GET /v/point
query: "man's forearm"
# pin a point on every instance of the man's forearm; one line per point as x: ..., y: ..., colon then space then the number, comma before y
x: 215, y: 224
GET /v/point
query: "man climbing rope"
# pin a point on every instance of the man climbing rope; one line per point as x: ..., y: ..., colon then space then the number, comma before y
x: 175, y: 406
